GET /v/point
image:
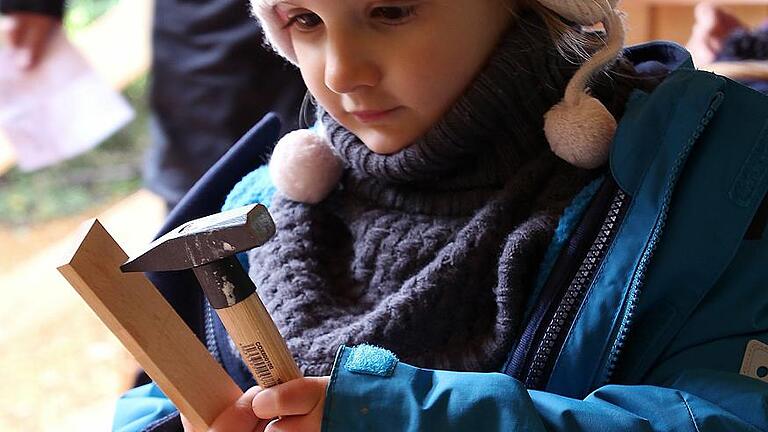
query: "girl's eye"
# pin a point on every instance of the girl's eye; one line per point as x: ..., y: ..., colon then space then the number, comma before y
x: 393, y: 14
x: 304, y: 21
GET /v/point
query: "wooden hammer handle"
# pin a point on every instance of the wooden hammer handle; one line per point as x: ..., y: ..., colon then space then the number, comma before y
x: 262, y: 347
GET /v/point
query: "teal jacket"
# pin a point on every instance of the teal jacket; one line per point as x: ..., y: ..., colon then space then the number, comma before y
x: 659, y: 342
x: 656, y: 336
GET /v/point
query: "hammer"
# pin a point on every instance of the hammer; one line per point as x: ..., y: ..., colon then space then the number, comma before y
x: 208, y: 246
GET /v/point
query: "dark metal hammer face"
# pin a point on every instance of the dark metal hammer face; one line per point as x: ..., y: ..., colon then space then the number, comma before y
x: 208, y: 246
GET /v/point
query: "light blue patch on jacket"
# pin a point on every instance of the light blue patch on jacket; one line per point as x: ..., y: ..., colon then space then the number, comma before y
x: 371, y: 360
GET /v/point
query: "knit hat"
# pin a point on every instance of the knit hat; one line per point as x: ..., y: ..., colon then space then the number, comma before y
x: 579, y: 129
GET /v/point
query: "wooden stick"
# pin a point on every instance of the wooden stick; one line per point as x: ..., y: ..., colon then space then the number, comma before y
x: 149, y: 328
x: 259, y: 341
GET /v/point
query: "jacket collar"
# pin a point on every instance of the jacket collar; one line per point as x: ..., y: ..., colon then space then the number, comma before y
x: 658, y: 58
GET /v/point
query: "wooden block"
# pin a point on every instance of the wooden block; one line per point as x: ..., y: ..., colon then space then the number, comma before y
x: 149, y: 328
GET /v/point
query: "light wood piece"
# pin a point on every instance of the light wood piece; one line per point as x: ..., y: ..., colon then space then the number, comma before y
x: 133, y: 309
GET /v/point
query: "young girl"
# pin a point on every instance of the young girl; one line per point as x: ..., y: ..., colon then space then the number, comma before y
x: 454, y: 215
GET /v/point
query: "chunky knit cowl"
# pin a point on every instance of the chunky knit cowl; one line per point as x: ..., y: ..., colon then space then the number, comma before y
x: 431, y: 252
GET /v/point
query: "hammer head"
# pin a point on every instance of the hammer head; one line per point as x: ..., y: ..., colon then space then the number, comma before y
x: 205, y: 240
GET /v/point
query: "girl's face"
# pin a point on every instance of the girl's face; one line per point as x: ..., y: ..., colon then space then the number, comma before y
x: 388, y: 70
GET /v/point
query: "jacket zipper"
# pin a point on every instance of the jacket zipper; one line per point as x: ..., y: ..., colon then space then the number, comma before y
x: 533, y: 358
x: 638, y: 278
x: 555, y: 324
x: 560, y: 297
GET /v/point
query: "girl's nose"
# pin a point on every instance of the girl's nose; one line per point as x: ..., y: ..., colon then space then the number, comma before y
x: 348, y: 65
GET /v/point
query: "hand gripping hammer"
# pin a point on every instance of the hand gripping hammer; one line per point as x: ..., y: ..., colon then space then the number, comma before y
x: 208, y: 246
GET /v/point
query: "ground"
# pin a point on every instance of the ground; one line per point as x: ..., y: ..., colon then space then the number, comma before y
x: 62, y: 368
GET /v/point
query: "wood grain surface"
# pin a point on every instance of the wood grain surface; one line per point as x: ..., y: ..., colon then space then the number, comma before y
x: 149, y: 328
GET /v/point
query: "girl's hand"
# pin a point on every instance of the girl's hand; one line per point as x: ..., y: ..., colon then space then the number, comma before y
x: 237, y: 418
x: 295, y: 406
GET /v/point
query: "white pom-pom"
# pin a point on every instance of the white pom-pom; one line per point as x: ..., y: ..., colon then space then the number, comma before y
x: 304, y: 167
x: 580, y: 133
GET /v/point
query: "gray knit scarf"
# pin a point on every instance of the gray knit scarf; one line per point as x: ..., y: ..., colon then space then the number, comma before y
x: 430, y: 252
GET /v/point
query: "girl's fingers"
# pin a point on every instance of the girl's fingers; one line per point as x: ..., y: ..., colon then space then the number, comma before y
x: 238, y: 417
x: 296, y: 397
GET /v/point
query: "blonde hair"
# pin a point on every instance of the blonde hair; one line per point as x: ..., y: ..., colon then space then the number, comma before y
x: 570, y: 40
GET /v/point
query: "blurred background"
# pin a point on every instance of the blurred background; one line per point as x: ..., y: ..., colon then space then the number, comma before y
x: 61, y: 369
x: 674, y: 19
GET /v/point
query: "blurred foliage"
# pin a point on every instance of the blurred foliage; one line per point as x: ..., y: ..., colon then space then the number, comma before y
x: 80, y: 13
x: 110, y: 171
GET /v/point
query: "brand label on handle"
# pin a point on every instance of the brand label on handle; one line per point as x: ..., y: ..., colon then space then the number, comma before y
x: 755, y: 363
x: 260, y: 364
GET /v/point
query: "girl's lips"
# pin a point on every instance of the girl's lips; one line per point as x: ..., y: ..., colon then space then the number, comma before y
x: 372, y: 116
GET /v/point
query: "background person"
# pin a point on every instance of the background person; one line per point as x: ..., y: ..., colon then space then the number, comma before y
x: 211, y: 80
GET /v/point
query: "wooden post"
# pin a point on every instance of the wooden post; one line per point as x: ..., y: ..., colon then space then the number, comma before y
x: 150, y: 329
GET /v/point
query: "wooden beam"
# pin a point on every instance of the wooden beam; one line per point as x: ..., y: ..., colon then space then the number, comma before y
x: 150, y: 329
